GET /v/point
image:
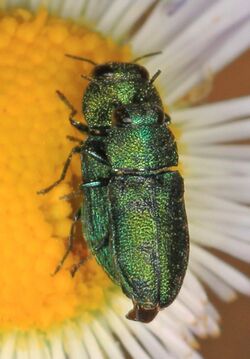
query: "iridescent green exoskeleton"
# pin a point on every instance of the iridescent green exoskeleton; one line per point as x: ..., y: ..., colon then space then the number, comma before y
x: 133, y: 213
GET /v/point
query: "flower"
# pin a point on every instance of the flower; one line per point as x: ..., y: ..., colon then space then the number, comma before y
x: 46, y: 316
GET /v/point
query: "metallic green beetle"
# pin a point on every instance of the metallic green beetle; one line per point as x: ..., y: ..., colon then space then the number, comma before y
x: 133, y: 213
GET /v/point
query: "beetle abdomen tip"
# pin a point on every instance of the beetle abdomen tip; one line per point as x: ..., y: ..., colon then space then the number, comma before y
x: 140, y: 314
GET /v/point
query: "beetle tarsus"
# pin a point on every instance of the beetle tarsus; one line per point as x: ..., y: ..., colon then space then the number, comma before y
x: 58, y: 268
x: 74, y: 139
x: 76, y: 218
x: 75, y: 267
x: 74, y: 150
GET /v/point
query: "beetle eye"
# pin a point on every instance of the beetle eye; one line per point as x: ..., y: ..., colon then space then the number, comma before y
x: 143, y: 72
x: 158, y: 114
x: 161, y: 117
x: 102, y: 70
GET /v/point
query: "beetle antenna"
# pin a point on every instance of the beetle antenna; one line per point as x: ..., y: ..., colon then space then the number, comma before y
x: 147, y: 55
x: 88, y: 78
x: 81, y: 59
x: 155, y: 76
x: 64, y: 99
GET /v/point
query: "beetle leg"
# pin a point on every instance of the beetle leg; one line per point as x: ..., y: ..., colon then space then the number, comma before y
x: 73, y: 139
x: 76, y: 266
x: 99, y: 156
x: 101, y: 244
x: 74, y: 150
x: 76, y: 218
x: 102, y: 182
x: 78, y: 125
x: 71, y: 195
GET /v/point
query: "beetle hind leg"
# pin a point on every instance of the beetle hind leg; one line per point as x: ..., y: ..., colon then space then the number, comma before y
x: 71, y: 238
x: 76, y: 266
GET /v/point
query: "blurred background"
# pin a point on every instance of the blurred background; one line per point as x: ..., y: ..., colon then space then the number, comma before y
x: 234, y: 341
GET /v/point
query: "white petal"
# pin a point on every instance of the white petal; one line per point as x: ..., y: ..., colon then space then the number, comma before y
x: 173, y: 342
x: 213, y: 327
x: 106, y: 340
x: 191, y: 282
x: 201, y: 198
x: 111, y: 17
x: 54, y: 6
x: 203, y: 214
x: 232, y: 231
x: 181, y: 312
x: 14, y: 3
x: 73, y: 9
x: 215, y: 167
x: 73, y: 344
x: 191, y: 301
x: 36, y: 347
x: 212, y: 114
x: 238, y: 184
x: 235, y: 131
x: 8, y: 347
x: 222, y: 290
x: 208, y: 65
x: 213, y: 313
x: 234, y: 152
x: 129, y: 18
x: 223, y: 270
x: 175, y: 16
x: 92, y: 346
x: 186, y: 62
x: 122, y: 332
x: 206, y: 236
x: 21, y: 348
x: 34, y: 4
x: 178, y: 327
x: 121, y: 304
x: 95, y: 8
x: 56, y: 346
x: 147, y: 339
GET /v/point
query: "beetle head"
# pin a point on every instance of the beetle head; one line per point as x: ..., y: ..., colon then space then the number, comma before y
x: 115, y: 83
x: 117, y: 70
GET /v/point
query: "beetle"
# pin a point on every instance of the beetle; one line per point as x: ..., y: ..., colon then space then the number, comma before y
x: 133, y: 214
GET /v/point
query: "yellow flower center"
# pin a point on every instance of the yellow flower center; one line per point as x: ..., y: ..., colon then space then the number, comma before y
x: 34, y: 125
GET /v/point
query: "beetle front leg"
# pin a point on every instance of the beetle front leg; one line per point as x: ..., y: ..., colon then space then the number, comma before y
x: 74, y: 150
x: 76, y: 218
x: 78, y: 125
